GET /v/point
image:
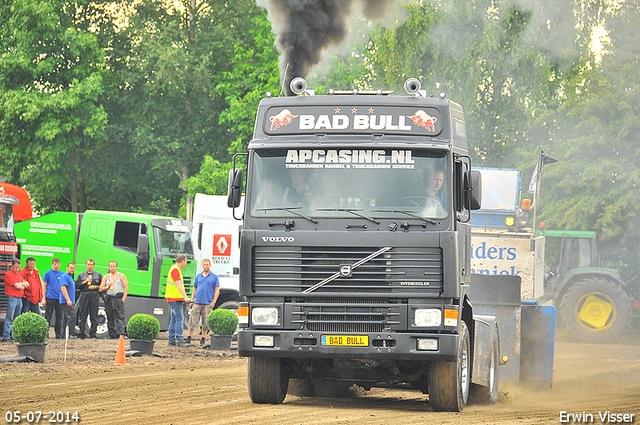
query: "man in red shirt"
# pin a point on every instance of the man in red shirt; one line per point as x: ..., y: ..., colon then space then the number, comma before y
x: 14, y: 285
x: 33, y: 293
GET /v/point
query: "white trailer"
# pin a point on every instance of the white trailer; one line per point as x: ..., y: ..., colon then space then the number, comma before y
x: 500, y: 252
x: 215, y: 236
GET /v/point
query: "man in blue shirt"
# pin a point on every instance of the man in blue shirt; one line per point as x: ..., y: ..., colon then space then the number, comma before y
x: 68, y: 301
x: 51, y: 300
x: 205, y: 294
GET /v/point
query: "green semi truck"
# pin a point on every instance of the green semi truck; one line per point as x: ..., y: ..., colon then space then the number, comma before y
x: 145, y: 247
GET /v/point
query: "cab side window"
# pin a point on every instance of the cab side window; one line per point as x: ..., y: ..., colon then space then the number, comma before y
x: 461, y: 183
x: 126, y: 236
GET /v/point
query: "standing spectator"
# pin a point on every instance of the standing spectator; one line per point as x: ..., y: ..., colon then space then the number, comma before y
x: 51, y: 301
x: 33, y: 293
x: 117, y: 288
x: 89, y: 283
x: 206, y: 290
x: 14, y: 285
x: 176, y: 297
x: 68, y: 301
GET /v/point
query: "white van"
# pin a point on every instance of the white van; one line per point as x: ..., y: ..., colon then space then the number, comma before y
x: 215, y: 236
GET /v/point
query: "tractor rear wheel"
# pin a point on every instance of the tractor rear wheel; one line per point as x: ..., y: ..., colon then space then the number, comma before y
x: 595, y: 310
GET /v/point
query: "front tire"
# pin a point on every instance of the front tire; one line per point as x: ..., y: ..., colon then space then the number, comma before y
x: 267, y: 379
x: 102, y: 331
x: 595, y: 310
x: 449, y: 381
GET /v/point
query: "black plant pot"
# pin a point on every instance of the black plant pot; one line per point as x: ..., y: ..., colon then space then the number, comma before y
x: 142, y: 345
x: 35, y: 350
x: 221, y: 342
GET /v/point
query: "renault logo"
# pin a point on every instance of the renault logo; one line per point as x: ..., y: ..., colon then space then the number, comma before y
x: 345, y: 270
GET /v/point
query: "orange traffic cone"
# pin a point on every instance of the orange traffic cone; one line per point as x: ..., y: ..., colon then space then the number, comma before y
x: 121, y: 358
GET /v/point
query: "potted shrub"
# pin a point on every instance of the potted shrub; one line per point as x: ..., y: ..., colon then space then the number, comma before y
x: 30, y: 330
x: 142, y: 330
x: 223, y: 324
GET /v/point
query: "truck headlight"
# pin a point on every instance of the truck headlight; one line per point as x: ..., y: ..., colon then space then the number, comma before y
x: 428, y: 317
x: 264, y: 315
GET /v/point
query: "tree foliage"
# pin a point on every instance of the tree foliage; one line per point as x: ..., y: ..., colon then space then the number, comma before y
x: 131, y: 105
x: 532, y: 76
x: 114, y: 105
x: 188, y: 79
x: 597, y: 185
x: 51, y: 79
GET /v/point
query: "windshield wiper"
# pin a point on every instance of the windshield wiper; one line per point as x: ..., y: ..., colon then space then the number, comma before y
x: 290, y: 209
x: 410, y: 214
x: 352, y: 211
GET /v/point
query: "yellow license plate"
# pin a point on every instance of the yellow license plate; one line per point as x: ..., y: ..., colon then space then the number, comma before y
x: 345, y: 340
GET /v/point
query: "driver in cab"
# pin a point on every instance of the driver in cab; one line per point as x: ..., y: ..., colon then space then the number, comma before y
x: 434, y: 182
x: 434, y: 199
x: 298, y: 193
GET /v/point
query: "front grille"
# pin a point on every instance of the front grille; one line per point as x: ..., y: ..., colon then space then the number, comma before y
x: 6, y: 258
x: 188, y: 285
x: 343, y: 317
x: 3, y: 297
x: 291, y: 269
x: 346, y: 327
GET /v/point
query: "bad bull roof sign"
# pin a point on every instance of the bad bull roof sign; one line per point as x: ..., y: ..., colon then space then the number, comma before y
x: 353, y: 119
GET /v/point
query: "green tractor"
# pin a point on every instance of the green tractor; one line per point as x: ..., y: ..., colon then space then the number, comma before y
x: 593, y: 302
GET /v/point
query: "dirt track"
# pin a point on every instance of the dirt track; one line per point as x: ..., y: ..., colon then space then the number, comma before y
x: 194, y: 386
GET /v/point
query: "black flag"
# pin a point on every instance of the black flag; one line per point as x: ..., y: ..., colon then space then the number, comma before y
x: 543, y: 159
x: 546, y: 159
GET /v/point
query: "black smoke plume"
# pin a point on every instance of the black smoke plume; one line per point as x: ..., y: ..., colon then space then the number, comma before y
x: 305, y: 28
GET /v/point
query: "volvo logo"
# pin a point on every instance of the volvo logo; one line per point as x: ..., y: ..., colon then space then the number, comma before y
x: 345, y: 270
x: 278, y: 239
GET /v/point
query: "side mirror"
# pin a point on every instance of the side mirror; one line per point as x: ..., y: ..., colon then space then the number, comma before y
x: 143, y: 252
x: 234, y: 189
x: 475, y: 190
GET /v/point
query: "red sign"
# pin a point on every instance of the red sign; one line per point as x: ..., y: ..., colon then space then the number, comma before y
x: 9, y: 248
x: 222, y: 245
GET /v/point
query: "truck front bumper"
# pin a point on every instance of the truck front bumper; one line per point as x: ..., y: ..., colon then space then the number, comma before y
x: 377, y: 346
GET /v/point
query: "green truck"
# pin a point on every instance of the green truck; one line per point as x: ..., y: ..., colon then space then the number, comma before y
x: 145, y: 247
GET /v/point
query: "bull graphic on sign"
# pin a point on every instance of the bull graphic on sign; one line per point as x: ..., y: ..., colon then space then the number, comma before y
x: 283, y: 118
x: 422, y: 119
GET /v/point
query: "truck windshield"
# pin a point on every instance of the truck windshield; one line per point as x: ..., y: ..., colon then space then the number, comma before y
x: 6, y: 221
x: 347, y: 183
x: 173, y: 243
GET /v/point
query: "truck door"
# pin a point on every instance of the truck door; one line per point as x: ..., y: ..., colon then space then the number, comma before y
x: 125, y: 251
x: 461, y: 207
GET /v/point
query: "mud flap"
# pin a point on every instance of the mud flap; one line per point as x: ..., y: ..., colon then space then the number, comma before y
x: 527, y: 330
x: 499, y: 296
x: 484, y: 328
x: 537, y: 346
